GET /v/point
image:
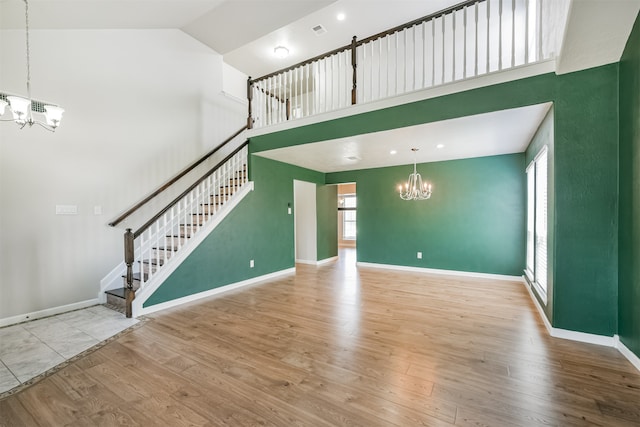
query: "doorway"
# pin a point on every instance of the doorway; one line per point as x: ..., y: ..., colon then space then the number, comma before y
x: 305, y: 221
x: 347, y: 217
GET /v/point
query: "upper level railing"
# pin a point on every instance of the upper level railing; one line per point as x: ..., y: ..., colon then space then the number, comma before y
x: 470, y: 39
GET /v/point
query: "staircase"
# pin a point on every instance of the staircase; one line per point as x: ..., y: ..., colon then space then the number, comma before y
x: 156, y: 249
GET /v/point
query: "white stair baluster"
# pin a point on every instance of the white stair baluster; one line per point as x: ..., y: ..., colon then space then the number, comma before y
x: 526, y: 32
x: 433, y: 52
x: 444, y: 19
x: 464, y: 36
x: 513, y: 33
x: 453, y: 54
x: 475, y: 68
x: 488, y: 34
x: 500, y: 34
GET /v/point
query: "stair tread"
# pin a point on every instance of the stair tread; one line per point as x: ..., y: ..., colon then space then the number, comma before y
x: 118, y: 292
x: 136, y: 277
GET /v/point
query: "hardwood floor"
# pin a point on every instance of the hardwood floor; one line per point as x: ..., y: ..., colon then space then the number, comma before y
x: 335, y: 345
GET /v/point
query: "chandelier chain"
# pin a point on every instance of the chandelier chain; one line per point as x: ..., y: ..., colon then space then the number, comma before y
x: 23, y: 108
x: 26, y: 17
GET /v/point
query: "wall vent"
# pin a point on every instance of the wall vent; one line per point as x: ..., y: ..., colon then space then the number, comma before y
x: 319, y: 30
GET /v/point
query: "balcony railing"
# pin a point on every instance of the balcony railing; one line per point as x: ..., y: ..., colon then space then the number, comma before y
x: 467, y: 40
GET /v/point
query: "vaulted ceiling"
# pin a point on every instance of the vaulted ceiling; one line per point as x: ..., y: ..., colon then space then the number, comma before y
x: 245, y: 32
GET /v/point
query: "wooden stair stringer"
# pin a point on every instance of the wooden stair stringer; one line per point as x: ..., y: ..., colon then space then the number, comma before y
x: 178, y: 258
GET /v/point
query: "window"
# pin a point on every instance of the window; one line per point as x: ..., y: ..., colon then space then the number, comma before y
x: 349, y: 225
x: 347, y: 206
x: 536, y: 262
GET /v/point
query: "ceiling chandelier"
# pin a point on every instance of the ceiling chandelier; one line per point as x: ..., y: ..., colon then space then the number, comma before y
x: 414, y: 189
x: 22, y: 108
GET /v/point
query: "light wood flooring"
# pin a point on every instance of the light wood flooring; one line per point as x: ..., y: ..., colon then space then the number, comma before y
x: 339, y: 345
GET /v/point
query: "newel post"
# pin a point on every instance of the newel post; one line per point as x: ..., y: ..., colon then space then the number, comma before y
x: 128, y: 260
x: 249, y: 98
x: 354, y: 65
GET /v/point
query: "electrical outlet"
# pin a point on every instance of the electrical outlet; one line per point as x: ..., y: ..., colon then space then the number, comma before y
x: 251, y: 264
x: 419, y: 255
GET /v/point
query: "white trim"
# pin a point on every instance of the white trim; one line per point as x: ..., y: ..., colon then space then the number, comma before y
x: 47, y: 312
x: 232, y: 97
x: 438, y: 271
x: 631, y: 356
x: 326, y: 260
x: 175, y: 261
x: 583, y: 337
x: 215, y: 291
x: 565, y: 333
x: 496, y: 77
x: 319, y: 262
x: 111, y: 281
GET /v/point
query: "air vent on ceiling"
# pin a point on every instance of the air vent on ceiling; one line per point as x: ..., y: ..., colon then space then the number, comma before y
x: 319, y: 30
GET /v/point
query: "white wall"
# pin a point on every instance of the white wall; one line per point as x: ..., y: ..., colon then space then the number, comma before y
x: 306, y: 229
x: 140, y: 105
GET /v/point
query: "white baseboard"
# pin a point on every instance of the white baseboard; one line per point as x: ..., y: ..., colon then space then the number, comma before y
x: 216, y: 291
x: 320, y: 262
x: 47, y: 312
x: 631, y: 356
x: 442, y: 272
x: 326, y: 260
x: 565, y: 333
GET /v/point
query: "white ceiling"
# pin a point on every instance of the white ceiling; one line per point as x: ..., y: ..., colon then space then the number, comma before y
x: 246, y: 31
x: 490, y: 134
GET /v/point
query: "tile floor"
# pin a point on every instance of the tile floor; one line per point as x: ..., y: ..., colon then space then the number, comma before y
x: 32, y: 348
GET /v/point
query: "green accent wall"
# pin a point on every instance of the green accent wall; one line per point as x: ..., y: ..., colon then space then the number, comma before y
x: 259, y: 228
x: 327, y: 221
x: 544, y: 137
x: 585, y: 173
x: 629, y: 235
x: 474, y: 220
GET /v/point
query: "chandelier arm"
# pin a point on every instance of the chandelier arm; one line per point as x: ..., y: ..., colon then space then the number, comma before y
x: 45, y: 126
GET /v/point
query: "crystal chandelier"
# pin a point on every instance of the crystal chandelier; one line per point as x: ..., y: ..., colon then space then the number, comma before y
x: 414, y: 189
x: 22, y: 108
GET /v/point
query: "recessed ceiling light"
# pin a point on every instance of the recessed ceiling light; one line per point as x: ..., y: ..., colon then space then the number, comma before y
x: 440, y: 146
x: 281, y: 51
x: 353, y: 158
x: 392, y: 152
x: 341, y: 16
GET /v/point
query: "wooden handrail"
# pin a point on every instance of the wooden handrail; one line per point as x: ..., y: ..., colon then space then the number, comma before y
x: 175, y: 179
x: 303, y: 63
x: 389, y: 32
x: 147, y: 224
x: 419, y: 21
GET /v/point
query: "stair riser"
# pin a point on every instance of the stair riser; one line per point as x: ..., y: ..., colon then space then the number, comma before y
x: 199, y: 219
x: 210, y: 209
x: 219, y: 199
x: 175, y: 241
x: 115, y: 301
